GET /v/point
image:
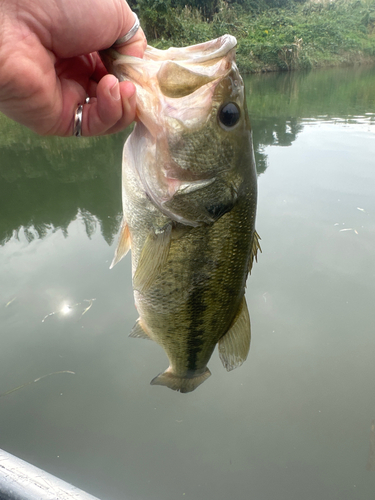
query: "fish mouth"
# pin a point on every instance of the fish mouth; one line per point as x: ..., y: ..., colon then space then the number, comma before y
x: 174, y: 86
x: 200, y: 53
x: 176, y: 71
x: 176, y: 99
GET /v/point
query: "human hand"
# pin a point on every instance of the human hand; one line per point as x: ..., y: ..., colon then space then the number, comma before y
x: 49, y: 64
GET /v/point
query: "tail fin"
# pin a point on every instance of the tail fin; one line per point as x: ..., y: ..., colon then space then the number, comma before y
x: 182, y: 384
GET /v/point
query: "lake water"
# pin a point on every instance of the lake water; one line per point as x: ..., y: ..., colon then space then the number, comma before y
x: 294, y: 422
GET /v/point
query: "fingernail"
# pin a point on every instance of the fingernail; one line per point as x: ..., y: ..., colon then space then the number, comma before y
x: 115, y: 91
x: 132, y: 91
x: 129, y: 101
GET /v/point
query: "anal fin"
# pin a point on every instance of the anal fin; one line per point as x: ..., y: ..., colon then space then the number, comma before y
x: 138, y: 332
x: 254, y: 250
x: 181, y: 384
x: 152, y: 259
x: 123, y: 245
x: 235, y: 344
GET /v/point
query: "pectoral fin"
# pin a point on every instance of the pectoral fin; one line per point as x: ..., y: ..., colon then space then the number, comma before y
x: 234, y: 346
x: 152, y: 259
x: 182, y: 384
x: 123, y: 245
x: 254, y: 250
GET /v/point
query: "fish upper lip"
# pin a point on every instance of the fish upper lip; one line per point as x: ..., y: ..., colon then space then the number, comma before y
x: 221, y: 47
x: 188, y: 57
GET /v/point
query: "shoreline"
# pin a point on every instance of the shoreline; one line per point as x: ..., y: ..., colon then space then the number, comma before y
x: 369, y: 61
x: 298, y: 36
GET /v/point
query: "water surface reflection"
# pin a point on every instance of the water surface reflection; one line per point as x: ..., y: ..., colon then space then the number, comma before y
x: 295, y: 421
x: 45, y: 183
x: 281, y: 104
x: 48, y: 182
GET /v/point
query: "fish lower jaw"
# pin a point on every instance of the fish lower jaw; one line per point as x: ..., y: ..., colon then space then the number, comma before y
x: 181, y: 383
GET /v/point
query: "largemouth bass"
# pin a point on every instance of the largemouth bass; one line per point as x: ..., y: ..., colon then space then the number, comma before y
x: 189, y: 200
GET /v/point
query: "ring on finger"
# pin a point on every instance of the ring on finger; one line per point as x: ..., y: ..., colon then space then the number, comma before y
x: 77, y: 129
x: 133, y: 30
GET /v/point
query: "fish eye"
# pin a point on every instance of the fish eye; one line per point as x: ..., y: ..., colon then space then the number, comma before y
x: 229, y: 115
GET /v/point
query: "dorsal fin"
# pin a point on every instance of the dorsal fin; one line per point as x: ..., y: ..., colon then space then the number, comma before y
x: 254, y: 250
x: 234, y: 346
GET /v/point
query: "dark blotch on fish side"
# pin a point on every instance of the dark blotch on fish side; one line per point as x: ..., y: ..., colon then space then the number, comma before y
x: 197, y: 307
x: 218, y: 210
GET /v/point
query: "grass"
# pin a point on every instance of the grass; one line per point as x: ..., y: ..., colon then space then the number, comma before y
x: 298, y: 36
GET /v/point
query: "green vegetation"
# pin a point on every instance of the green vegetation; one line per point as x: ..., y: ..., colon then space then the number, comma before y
x: 46, y: 182
x: 272, y: 34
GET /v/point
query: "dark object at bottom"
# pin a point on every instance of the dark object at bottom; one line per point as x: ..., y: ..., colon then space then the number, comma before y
x: 21, y: 481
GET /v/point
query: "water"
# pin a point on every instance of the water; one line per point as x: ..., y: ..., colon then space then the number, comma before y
x: 294, y: 421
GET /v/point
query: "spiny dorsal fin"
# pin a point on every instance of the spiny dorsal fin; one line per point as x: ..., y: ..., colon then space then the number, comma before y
x: 123, y: 245
x: 234, y: 346
x: 254, y: 250
x: 152, y: 259
x: 182, y: 384
x: 138, y: 332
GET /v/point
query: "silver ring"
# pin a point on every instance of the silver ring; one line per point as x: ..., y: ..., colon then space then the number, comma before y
x: 77, y: 130
x: 133, y: 30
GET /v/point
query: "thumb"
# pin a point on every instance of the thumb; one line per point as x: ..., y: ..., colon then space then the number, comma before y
x: 112, y: 110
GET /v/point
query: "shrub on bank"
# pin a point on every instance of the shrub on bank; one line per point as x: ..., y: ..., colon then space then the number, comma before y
x: 272, y: 34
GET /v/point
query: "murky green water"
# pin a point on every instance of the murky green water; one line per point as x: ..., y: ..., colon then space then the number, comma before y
x: 293, y: 422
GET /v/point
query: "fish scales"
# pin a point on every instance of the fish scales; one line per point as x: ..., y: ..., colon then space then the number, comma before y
x: 206, y: 279
x: 189, y: 202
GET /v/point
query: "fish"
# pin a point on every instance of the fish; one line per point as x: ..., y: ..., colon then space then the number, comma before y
x: 189, y: 195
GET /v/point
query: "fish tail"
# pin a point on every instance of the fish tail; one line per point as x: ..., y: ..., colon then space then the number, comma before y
x: 177, y: 383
